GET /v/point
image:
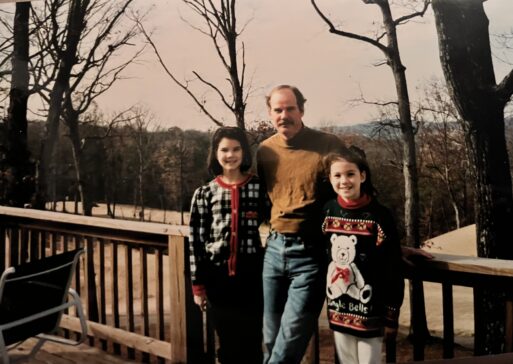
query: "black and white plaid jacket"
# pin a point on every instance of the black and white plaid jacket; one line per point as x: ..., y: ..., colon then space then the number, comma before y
x: 223, y: 225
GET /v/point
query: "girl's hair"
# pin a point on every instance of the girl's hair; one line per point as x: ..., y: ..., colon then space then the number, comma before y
x: 357, y: 156
x: 234, y: 133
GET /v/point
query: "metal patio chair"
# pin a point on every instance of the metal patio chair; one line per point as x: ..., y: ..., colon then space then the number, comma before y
x: 33, y: 297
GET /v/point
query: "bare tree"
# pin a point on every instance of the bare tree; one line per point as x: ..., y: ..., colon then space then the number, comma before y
x: 144, y: 146
x: 466, y: 58
x: 387, y: 42
x: 442, y: 144
x: 219, y: 23
x: 88, y: 73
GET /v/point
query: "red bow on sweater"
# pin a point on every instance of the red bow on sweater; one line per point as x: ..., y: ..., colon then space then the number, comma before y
x: 343, y: 273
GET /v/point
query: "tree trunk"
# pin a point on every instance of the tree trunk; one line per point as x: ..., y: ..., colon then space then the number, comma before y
x: 465, y: 55
x: 82, y: 186
x: 75, y: 26
x: 20, y: 187
x: 418, y: 319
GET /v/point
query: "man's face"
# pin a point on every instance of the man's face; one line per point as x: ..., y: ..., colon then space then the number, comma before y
x: 285, y: 113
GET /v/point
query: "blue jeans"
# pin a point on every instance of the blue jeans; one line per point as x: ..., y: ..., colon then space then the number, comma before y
x: 294, y: 283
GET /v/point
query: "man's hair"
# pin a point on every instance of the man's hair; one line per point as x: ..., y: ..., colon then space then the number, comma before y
x: 300, y: 99
x: 234, y: 133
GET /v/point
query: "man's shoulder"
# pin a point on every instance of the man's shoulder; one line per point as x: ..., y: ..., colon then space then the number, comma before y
x: 269, y: 140
x: 323, y: 141
x: 323, y: 134
x: 267, y: 144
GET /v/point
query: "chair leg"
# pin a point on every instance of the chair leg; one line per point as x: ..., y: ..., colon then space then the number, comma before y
x: 35, y: 349
x: 80, y: 313
x: 74, y: 301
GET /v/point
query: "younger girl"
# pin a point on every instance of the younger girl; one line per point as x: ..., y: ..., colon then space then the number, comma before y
x: 225, y: 249
x: 364, y: 283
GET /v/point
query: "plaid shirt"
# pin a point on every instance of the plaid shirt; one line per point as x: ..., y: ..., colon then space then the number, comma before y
x: 223, y: 224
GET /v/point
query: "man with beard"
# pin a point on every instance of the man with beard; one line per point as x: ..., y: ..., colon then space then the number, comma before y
x: 294, y: 273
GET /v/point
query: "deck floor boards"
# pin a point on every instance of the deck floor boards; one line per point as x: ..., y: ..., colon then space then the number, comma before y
x: 54, y: 353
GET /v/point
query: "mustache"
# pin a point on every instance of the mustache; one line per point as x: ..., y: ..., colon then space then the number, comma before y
x: 286, y: 122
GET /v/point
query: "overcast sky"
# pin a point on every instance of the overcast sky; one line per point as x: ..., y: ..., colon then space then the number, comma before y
x: 287, y: 42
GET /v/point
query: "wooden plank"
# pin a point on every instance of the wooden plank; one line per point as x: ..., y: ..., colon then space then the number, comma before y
x: 159, y: 293
x: 90, y: 277
x: 111, y: 224
x: 77, y: 240
x: 458, y: 263
x: 14, y: 247
x: 129, y: 289
x: 3, y: 247
x: 33, y: 242
x: 134, y: 237
x: 448, y: 318
x: 103, y: 290
x: 143, y: 277
x: 53, y: 243
x: 115, y: 292
x: 177, y: 322
x: 130, y: 339
x: 508, y: 345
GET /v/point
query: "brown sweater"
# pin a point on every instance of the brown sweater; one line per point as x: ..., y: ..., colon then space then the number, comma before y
x: 292, y: 173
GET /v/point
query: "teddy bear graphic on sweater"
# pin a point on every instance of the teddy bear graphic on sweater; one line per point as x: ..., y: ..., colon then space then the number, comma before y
x: 344, y: 277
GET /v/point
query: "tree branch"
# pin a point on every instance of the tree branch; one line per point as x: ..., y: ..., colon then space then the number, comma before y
x: 172, y: 76
x: 334, y: 30
x: 405, y: 18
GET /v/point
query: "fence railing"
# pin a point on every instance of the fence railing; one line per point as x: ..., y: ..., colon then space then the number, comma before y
x: 134, y: 283
x: 133, y: 280
x: 455, y: 270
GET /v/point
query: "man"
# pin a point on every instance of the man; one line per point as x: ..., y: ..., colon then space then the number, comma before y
x: 294, y: 273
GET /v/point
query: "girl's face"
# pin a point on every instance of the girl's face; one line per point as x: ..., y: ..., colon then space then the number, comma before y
x: 229, y: 154
x: 346, y: 179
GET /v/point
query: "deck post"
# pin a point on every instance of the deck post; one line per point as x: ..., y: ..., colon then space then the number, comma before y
x: 178, y: 336
x: 508, y: 347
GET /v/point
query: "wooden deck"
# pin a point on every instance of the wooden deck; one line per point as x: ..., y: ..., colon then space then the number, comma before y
x: 53, y: 353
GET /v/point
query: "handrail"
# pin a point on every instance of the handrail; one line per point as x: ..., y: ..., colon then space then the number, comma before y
x: 467, y: 264
x: 91, y: 221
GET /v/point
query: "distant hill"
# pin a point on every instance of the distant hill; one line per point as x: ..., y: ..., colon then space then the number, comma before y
x: 369, y: 128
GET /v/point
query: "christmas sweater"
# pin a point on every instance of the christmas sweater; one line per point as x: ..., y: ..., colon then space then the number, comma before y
x: 364, y: 284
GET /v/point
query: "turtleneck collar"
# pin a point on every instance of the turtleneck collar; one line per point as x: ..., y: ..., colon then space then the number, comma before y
x: 295, y: 140
x: 363, y: 201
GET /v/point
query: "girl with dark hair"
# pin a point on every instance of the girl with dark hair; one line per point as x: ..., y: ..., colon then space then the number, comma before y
x: 225, y: 249
x: 364, y: 285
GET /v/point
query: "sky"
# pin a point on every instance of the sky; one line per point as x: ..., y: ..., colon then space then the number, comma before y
x: 286, y: 42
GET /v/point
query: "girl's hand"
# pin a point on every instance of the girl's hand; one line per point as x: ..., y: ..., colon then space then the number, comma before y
x: 201, y: 301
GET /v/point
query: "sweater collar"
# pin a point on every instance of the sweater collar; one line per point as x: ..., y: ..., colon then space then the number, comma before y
x: 297, y: 140
x: 363, y: 201
x: 223, y: 184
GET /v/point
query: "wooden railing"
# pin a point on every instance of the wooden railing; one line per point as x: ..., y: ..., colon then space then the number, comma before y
x: 478, y: 273
x: 134, y: 283
x: 133, y: 280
